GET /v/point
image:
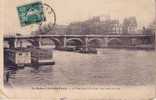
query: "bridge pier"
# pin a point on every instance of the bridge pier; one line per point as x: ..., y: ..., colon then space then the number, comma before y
x: 39, y: 43
x: 106, y: 42
x: 86, y: 44
x: 65, y: 42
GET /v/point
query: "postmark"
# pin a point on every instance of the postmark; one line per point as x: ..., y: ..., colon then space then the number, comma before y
x: 49, y: 24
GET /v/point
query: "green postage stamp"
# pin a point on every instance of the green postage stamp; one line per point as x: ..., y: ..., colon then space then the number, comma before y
x: 31, y: 13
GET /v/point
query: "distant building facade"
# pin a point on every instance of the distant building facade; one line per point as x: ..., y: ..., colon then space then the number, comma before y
x: 49, y: 29
x: 129, y: 26
x: 96, y: 25
x: 153, y: 25
x: 60, y: 29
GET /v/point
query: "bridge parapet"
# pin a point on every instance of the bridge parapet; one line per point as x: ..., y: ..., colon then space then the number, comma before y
x: 116, y: 40
x: 91, y: 35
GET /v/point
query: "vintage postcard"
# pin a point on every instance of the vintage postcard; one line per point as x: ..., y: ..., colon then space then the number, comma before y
x: 78, y: 50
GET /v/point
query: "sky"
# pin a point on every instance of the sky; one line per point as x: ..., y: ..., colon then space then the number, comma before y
x: 68, y: 11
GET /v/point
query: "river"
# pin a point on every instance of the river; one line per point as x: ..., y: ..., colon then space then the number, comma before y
x: 109, y: 67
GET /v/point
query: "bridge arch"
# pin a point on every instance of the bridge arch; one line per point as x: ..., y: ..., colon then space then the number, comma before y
x: 114, y: 42
x: 95, y: 42
x: 56, y: 41
x: 74, y: 42
x: 23, y: 43
x: 50, y: 42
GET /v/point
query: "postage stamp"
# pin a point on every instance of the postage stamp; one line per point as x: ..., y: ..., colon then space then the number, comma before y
x: 31, y: 13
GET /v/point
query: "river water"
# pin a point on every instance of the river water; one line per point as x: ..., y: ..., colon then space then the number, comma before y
x: 109, y: 67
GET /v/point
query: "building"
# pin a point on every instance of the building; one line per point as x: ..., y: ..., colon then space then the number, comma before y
x: 153, y: 25
x: 129, y: 25
x: 155, y: 11
x: 95, y: 25
x: 155, y: 19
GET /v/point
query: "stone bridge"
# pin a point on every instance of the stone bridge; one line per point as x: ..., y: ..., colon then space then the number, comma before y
x: 83, y: 41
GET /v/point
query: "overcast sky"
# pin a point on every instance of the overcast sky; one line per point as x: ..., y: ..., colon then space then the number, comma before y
x: 78, y: 10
